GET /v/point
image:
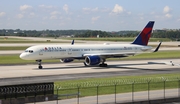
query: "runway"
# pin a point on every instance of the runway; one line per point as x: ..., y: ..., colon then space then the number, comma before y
x: 18, y: 74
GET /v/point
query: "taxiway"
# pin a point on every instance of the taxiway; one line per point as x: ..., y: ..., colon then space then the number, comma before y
x: 21, y: 74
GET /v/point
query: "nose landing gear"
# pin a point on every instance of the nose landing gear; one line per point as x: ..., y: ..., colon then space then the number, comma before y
x: 39, y: 63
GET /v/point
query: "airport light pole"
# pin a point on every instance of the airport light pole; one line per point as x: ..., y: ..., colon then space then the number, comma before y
x: 164, y: 80
x: 148, y: 81
x: 78, y: 86
x: 178, y: 86
x: 58, y: 88
x: 10, y: 94
x: 97, y: 93
x: 133, y: 92
x: 35, y: 93
x: 115, y: 85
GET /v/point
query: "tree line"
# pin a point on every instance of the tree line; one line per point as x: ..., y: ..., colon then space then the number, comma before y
x: 171, y: 34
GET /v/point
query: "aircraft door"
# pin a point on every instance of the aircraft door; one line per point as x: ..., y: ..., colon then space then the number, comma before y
x: 69, y: 51
x: 135, y: 49
x: 40, y: 52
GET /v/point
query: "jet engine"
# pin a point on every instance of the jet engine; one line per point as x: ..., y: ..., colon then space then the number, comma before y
x: 66, y: 60
x: 92, y: 60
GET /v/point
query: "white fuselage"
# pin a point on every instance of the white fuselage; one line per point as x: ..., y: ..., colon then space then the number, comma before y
x: 41, y: 52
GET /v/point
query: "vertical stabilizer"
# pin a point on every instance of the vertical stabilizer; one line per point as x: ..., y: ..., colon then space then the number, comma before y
x: 144, y: 35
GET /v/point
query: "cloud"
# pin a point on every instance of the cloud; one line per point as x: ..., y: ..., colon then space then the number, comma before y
x: 53, y: 17
x: 152, y: 13
x: 166, y: 9
x: 55, y: 13
x: 20, y: 16
x: 178, y: 19
x: 141, y: 16
x: 32, y: 13
x: 86, y: 9
x: 25, y: 7
x: 117, y: 9
x: 90, y: 9
x: 2, y: 14
x: 105, y: 9
x: 95, y: 9
x: 168, y: 15
x: 93, y: 19
x: 66, y: 8
x: 129, y: 13
x: 46, y: 6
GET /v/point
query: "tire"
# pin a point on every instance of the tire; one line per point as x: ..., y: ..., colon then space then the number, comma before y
x: 40, y: 67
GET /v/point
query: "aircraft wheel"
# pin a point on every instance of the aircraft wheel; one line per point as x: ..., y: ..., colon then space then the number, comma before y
x: 103, y: 65
x: 40, y: 67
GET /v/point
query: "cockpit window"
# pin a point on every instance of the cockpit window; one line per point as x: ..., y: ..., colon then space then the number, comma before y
x: 30, y: 51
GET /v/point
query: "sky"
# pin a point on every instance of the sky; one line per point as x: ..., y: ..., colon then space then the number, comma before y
x: 105, y: 15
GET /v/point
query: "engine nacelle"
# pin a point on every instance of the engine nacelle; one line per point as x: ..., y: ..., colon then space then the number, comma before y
x: 66, y: 60
x: 92, y: 60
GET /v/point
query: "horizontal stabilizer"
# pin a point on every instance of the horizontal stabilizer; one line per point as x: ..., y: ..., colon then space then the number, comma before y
x: 165, y: 63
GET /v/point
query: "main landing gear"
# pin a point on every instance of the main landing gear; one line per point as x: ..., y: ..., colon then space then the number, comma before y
x: 103, y: 64
x: 39, y: 63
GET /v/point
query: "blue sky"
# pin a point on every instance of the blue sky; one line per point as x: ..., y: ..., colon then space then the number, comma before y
x: 105, y: 15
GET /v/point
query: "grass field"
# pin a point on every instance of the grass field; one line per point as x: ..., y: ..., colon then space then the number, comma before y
x: 18, y: 40
x: 115, y: 39
x: 119, y: 39
x: 29, y: 41
x: 13, y: 47
x: 88, y: 87
x: 156, y: 55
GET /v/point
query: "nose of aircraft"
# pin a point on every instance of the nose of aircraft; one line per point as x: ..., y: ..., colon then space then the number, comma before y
x: 23, y: 56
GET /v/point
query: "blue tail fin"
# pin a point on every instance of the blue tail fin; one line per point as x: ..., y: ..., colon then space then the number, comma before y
x: 144, y: 35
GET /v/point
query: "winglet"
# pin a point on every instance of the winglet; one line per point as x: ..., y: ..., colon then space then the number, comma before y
x: 72, y: 43
x: 144, y: 35
x: 157, y: 48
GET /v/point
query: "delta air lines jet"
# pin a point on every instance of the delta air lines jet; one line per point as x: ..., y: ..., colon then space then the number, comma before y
x: 91, y: 54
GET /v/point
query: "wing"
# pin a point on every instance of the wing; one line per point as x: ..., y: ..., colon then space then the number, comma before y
x: 111, y: 55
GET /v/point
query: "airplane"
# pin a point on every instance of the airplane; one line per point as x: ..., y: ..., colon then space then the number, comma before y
x: 94, y: 54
